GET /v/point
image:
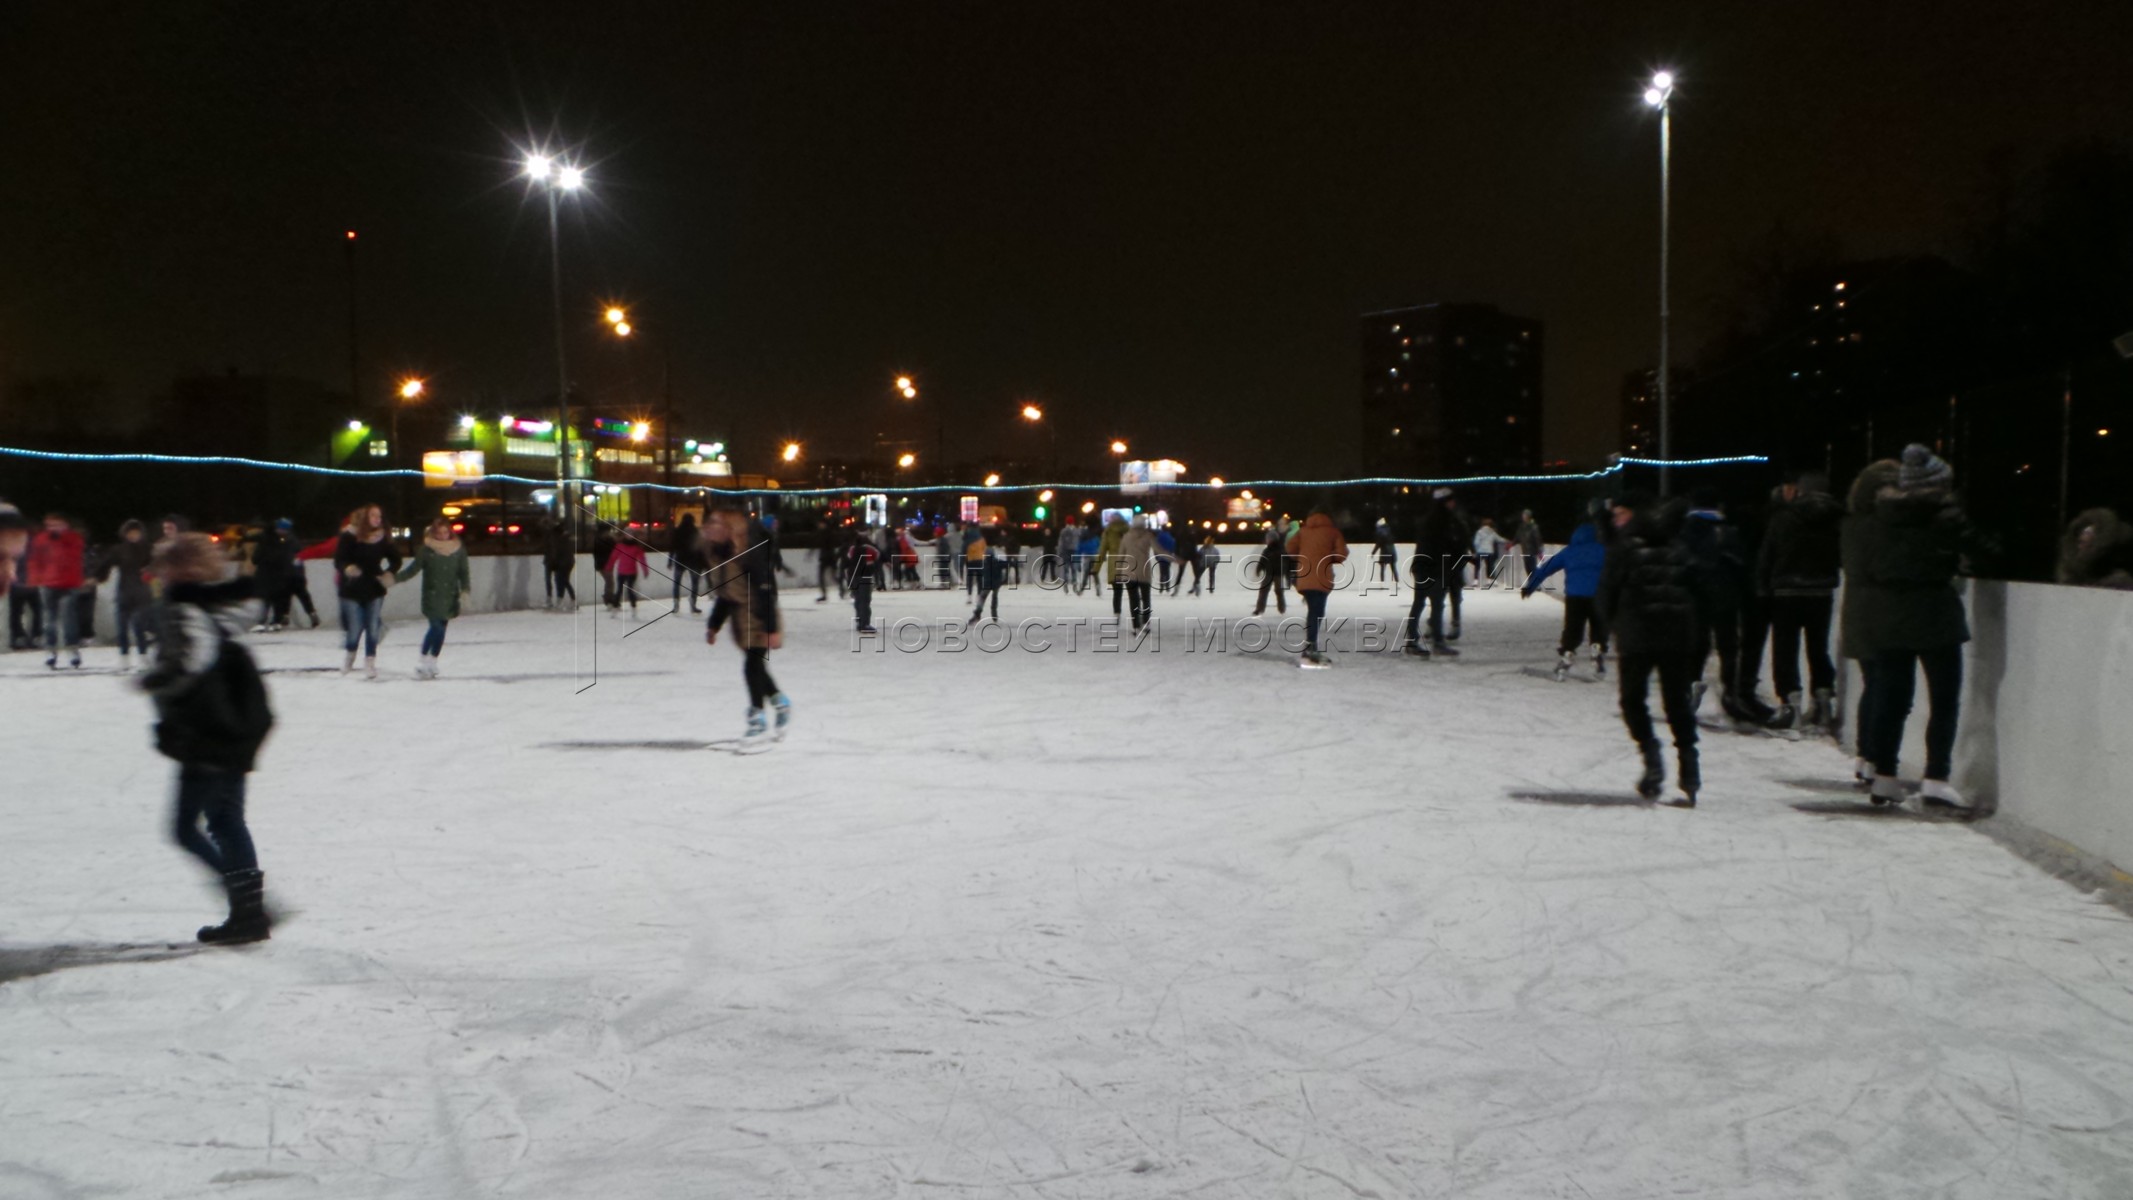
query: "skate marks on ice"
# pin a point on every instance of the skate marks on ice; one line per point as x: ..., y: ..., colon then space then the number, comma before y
x: 628, y: 744
x: 1863, y: 807
x: 1585, y: 799
x: 22, y: 962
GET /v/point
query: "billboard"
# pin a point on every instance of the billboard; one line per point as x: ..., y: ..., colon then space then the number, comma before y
x: 448, y: 468
x: 1136, y: 476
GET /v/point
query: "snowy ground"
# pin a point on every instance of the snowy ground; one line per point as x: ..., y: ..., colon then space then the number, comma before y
x: 1062, y: 924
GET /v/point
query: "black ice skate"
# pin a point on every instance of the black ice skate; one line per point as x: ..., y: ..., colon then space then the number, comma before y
x: 1689, y: 778
x: 1653, y: 780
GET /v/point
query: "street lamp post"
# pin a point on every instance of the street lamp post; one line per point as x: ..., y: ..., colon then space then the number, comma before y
x: 618, y: 319
x: 1660, y: 95
x: 556, y: 178
x: 409, y: 392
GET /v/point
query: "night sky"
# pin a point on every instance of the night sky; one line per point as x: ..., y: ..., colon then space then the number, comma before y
x: 1158, y: 219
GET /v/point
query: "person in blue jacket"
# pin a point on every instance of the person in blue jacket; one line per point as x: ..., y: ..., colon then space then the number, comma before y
x: 1580, y: 563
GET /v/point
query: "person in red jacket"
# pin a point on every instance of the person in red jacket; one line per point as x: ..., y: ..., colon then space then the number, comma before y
x: 55, y: 570
x: 627, y: 563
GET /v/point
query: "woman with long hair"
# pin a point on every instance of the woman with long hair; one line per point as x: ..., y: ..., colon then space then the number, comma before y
x: 441, y: 560
x: 744, y: 589
x: 364, y: 560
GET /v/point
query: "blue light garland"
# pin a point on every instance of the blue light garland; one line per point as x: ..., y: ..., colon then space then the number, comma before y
x: 219, y: 460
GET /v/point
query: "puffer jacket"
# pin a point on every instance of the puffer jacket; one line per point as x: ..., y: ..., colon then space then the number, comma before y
x: 1581, y: 563
x: 1801, y: 550
x: 745, y: 583
x: 129, y: 561
x: 446, y: 576
x: 1649, y: 590
x: 211, y: 705
x: 1860, y: 637
x: 1911, y: 568
x: 55, y: 560
x: 1107, y: 559
x: 1714, y: 546
x: 1136, y: 557
x: 1443, y: 547
x: 1317, y: 546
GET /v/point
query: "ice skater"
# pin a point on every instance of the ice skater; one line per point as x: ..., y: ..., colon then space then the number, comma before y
x: 744, y: 584
x: 364, y: 560
x: 1580, y: 562
x: 55, y: 571
x: 991, y: 571
x: 1798, y: 569
x: 1385, y: 553
x: 856, y: 564
x: 128, y: 559
x: 627, y: 562
x: 1648, y: 597
x: 212, y: 716
x: 1316, y: 547
x: 1908, y: 551
x: 441, y: 560
x: 1134, y: 570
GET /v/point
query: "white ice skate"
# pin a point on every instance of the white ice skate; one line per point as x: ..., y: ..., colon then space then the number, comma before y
x: 757, y: 737
x: 782, y: 707
x: 1563, y: 662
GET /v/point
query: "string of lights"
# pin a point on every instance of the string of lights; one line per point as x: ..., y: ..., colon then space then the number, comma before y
x: 218, y: 460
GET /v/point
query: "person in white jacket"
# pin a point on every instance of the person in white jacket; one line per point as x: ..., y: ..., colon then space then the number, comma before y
x: 1488, y: 549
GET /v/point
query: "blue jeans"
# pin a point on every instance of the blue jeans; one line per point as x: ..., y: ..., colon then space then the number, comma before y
x: 433, y: 641
x: 362, y: 621
x: 215, y: 795
x: 59, y: 617
x: 132, y: 628
x: 1314, y: 613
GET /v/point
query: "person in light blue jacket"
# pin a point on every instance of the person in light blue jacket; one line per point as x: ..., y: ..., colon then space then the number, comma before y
x: 1580, y: 563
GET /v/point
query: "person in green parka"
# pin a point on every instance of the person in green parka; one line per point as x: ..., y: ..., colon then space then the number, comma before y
x: 442, y: 562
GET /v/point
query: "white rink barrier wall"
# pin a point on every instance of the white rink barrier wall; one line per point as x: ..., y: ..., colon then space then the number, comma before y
x: 2046, y: 735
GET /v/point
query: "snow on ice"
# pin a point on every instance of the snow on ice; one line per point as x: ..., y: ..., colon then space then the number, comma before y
x: 1104, y: 923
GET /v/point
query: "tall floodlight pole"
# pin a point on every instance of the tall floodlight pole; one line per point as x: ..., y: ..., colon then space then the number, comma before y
x: 1660, y: 95
x: 556, y: 178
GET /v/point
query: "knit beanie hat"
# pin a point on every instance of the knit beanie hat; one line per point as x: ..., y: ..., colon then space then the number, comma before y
x: 1923, y: 471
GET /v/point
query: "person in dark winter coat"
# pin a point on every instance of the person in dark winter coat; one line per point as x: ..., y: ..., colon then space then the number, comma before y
x: 212, y: 717
x: 1650, y: 597
x: 279, y: 575
x: 128, y: 559
x: 685, y: 557
x: 1385, y: 555
x: 1581, y: 563
x: 364, y: 560
x: 991, y: 570
x: 1908, y: 552
x: 1721, y: 565
x: 1443, y: 548
x: 857, y: 564
x: 559, y: 560
x: 1797, y: 568
x: 744, y: 584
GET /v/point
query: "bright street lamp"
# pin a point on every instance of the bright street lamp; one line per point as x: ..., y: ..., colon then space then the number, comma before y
x: 791, y: 453
x: 1660, y: 95
x: 553, y: 179
x: 1031, y: 412
x: 1214, y: 481
x: 907, y: 461
x: 411, y: 389
x: 992, y: 481
x: 1118, y: 447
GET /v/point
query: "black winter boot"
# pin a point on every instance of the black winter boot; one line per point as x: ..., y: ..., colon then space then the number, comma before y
x: 1654, y: 779
x: 248, y: 911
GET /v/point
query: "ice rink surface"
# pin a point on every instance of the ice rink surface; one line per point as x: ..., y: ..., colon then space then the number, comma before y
x: 1090, y: 923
